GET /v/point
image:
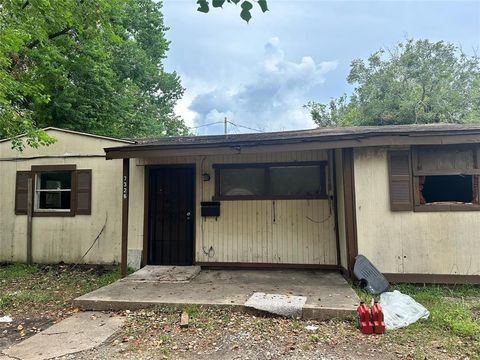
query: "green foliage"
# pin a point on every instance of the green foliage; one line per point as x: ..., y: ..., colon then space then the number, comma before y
x: 93, y: 66
x: 417, y: 82
x: 246, y: 6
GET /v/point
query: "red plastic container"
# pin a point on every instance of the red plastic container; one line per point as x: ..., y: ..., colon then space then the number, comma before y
x: 364, y: 319
x: 377, y: 318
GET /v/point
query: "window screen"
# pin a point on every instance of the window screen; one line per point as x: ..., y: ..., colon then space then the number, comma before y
x: 271, y: 181
x: 295, y: 180
x: 242, y: 182
x: 53, y: 190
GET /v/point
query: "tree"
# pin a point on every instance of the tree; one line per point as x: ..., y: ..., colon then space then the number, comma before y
x: 417, y: 82
x: 86, y: 65
x: 245, y: 5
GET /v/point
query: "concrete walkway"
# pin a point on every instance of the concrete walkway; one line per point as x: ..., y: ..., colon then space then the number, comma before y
x: 328, y: 294
x: 82, y: 331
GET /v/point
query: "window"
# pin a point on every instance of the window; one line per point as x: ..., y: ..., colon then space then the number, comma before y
x: 53, y: 191
x: 270, y: 181
x: 446, y: 188
x: 57, y: 190
x: 441, y: 178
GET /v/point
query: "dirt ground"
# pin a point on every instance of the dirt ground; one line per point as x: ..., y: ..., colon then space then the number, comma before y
x: 36, y: 297
x: 221, y: 334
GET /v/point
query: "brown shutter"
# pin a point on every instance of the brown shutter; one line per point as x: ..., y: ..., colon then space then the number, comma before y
x: 400, y: 175
x: 83, y: 200
x: 21, y: 192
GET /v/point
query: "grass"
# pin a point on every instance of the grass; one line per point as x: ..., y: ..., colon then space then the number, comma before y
x: 453, y: 324
x: 452, y: 328
x: 30, y: 291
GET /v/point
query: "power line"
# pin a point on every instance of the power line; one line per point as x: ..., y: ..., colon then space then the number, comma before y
x: 213, y: 123
x: 245, y: 127
x: 229, y: 122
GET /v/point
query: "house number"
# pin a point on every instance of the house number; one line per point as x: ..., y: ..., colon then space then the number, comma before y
x: 125, y: 186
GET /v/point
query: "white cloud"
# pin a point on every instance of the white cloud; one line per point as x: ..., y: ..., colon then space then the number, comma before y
x: 270, y: 99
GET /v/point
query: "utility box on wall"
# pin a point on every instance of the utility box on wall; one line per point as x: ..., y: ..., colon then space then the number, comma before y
x: 210, y: 208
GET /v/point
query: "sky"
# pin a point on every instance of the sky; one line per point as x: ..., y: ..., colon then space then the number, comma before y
x: 259, y: 75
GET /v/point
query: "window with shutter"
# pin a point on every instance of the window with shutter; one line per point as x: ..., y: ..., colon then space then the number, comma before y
x: 21, y: 192
x: 84, y: 192
x: 400, y: 174
x: 58, y: 190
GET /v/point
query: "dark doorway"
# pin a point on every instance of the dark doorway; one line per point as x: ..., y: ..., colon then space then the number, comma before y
x: 171, y: 216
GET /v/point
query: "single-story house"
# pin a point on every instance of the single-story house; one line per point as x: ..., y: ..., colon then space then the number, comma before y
x: 406, y: 197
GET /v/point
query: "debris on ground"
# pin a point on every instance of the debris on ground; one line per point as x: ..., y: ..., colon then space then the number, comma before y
x: 6, y: 319
x: 184, y: 320
x: 284, y: 305
x: 371, y: 280
x: 401, y: 310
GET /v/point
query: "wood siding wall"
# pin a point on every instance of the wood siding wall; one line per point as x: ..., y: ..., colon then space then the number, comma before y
x: 410, y: 242
x: 67, y: 239
x: 249, y: 231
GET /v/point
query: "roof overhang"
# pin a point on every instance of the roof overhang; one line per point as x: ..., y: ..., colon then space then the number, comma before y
x: 302, y: 140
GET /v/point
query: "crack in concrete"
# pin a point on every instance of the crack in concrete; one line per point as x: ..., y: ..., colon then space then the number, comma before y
x: 8, y: 356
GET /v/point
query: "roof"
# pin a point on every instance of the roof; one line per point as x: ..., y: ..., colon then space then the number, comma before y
x: 78, y: 133
x: 331, y: 137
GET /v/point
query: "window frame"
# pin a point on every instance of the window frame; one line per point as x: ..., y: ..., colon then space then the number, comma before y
x: 446, y: 206
x: 266, y: 166
x: 37, y: 170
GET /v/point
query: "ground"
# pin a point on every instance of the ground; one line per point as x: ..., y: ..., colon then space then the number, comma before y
x: 38, y: 296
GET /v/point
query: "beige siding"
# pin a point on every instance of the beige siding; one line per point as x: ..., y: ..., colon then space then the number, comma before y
x: 67, y: 239
x: 281, y: 231
x: 410, y: 242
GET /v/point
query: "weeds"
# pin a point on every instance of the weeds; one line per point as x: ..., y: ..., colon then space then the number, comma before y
x: 453, y: 319
x: 31, y: 289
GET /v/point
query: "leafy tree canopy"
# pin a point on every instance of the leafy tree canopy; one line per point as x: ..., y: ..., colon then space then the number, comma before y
x: 246, y: 6
x: 417, y: 82
x: 86, y: 65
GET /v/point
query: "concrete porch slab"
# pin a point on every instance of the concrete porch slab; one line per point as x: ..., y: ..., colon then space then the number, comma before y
x: 79, y: 332
x: 164, y: 274
x: 328, y: 293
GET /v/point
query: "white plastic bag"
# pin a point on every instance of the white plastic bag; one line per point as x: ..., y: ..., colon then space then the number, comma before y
x: 400, y: 310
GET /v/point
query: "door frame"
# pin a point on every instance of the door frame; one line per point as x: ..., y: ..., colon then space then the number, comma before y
x: 146, y: 188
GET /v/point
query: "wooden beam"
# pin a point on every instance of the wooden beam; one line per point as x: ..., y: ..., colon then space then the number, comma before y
x: 125, y: 198
x: 29, y: 220
x: 433, y: 278
x: 350, y: 208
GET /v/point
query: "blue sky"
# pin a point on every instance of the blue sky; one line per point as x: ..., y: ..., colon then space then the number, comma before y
x: 260, y: 74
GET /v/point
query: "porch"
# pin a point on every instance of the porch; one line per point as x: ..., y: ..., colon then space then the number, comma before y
x: 327, y: 293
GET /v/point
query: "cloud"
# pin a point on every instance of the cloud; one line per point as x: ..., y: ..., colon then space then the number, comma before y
x: 271, y: 99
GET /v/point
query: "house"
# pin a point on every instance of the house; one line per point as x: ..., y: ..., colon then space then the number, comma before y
x: 404, y: 196
x: 73, y: 213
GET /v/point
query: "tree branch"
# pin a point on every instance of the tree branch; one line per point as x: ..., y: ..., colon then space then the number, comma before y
x: 50, y: 37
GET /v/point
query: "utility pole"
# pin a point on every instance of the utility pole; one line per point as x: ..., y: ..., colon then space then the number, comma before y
x: 225, y: 125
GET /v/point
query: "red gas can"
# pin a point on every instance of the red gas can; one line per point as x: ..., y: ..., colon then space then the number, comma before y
x: 364, y: 320
x: 377, y: 318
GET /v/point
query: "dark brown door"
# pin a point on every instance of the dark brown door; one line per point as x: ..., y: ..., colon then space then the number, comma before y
x: 171, y: 215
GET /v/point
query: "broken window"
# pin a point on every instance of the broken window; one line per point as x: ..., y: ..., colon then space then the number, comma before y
x: 446, y: 188
x: 445, y: 178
